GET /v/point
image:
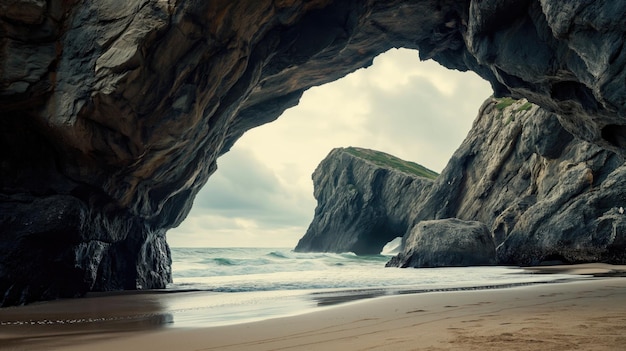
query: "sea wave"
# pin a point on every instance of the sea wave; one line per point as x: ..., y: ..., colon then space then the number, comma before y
x: 279, y: 269
x: 279, y: 254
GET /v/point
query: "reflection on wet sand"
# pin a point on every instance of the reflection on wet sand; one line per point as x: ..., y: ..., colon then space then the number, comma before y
x: 342, y: 296
x: 91, y: 318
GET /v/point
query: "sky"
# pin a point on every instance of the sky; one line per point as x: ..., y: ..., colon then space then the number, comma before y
x: 262, y: 192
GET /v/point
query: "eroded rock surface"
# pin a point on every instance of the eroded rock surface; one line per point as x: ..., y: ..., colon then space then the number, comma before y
x: 118, y: 111
x: 362, y: 205
x: 544, y: 194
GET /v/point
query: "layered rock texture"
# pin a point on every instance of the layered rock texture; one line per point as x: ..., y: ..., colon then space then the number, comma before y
x: 112, y: 114
x: 361, y: 202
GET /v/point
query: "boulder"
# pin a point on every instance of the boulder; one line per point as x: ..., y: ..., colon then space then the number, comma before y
x: 445, y: 243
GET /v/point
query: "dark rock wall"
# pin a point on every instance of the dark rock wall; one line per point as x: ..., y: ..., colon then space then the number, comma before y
x: 124, y: 107
x: 567, y: 57
x: 360, y: 206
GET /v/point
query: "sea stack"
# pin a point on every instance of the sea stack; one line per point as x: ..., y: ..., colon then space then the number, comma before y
x: 364, y: 200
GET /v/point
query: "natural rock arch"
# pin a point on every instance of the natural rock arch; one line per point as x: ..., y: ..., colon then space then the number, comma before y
x: 112, y: 116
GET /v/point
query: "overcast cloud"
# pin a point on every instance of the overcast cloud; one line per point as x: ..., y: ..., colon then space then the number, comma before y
x: 262, y: 193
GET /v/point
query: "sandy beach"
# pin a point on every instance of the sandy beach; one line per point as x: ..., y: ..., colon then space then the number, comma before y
x: 588, y: 314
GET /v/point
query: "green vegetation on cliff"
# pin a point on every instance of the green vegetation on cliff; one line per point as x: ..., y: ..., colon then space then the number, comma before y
x: 388, y: 161
x: 507, y: 101
x: 503, y: 103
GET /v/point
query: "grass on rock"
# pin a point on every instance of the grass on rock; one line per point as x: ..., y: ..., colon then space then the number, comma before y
x: 388, y: 161
x: 504, y: 103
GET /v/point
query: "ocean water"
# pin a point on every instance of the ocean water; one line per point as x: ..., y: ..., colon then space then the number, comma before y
x: 229, y: 270
x: 247, y: 284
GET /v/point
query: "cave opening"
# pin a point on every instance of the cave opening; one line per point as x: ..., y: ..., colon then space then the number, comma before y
x: 262, y: 192
x: 615, y: 135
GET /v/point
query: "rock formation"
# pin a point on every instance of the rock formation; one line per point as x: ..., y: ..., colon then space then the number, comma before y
x: 544, y: 194
x: 447, y: 243
x: 361, y: 202
x: 112, y: 114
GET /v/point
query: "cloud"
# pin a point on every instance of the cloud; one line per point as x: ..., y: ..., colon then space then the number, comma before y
x: 207, y: 230
x: 244, y: 204
x: 246, y: 188
x: 419, y: 121
x: 262, y: 193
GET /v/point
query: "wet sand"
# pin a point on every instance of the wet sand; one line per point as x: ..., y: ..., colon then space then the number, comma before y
x: 595, y: 269
x: 589, y: 314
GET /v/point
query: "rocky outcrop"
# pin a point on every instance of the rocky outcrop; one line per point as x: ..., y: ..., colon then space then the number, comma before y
x: 545, y: 195
x: 118, y: 111
x: 447, y: 243
x: 539, y: 193
x: 361, y: 201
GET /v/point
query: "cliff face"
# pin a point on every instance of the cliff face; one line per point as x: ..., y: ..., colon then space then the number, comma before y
x: 112, y: 115
x: 543, y: 194
x: 361, y: 205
